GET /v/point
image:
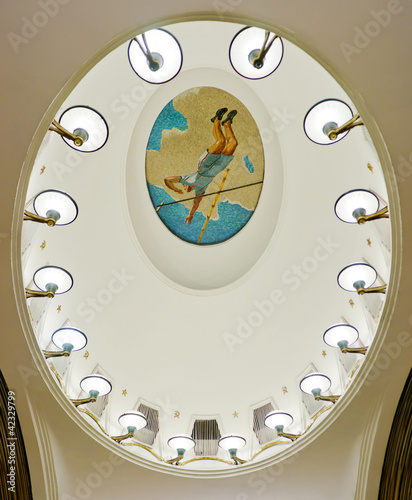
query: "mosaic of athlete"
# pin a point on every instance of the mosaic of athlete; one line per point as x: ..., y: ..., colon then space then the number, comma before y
x: 212, y: 162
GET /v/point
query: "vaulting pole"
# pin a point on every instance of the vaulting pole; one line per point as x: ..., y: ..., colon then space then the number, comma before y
x: 208, y: 194
x: 213, y: 206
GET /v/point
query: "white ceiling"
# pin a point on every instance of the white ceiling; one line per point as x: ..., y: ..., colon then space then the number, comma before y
x: 384, y: 105
x: 190, y: 328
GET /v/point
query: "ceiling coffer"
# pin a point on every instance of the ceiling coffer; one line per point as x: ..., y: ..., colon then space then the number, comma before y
x: 262, y: 432
x: 206, y: 433
x: 148, y: 434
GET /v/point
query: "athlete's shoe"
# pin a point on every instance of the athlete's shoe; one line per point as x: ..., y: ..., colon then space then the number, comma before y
x: 219, y: 114
x: 230, y: 117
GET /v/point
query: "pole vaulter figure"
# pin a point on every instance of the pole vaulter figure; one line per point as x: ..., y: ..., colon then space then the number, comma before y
x: 213, y: 161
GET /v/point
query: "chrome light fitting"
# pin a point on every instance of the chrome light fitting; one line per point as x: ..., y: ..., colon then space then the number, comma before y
x: 255, y: 53
x: 95, y: 385
x: 359, y: 277
x: 51, y: 281
x: 278, y: 420
x: 329, y: 121
x: 359, y: 206
x: 316, y: 383
x: 53, y: 208
x: 67, y: 339
x: 232, y: 444
x: 181, y: 444
x: 132, y: 421
x: 155, y: 56
x: 82, y: 128
x: 343, y: 335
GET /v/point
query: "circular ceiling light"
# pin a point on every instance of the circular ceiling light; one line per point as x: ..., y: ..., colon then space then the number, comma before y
x: 355, y: 203
x: 340, y: 335
x: 88, y: 124
x: 53, y: 278
x: 232, y: 442
x: 315, y: 383
x: 56, y: 204
x: 133, y: 420
x: 357, y: 275
x: 155, y: 56
x: 325, y: 116
x: 278, y: 420
x: 69, y: 339
x: 181, y: 443
x: 245, y: 53
x: 96, y: 385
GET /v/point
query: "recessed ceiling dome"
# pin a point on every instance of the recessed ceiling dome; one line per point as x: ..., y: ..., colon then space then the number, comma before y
x: 201, y: 235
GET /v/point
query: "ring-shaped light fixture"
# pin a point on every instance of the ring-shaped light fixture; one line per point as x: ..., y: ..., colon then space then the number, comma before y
x: 340, y: 335
x: 357, y: 275
x: 89, y: 124
x: 327, y: 114
x: 278, y: 420
x: 315, y: 383
x: 56, y: 204
x: 245, y: 48
x: 69, y: 339
x: 53, y: 278
x: 155, y: 56
x: 355, y: 203
x: 132, y: 420
x: 96, y: 385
